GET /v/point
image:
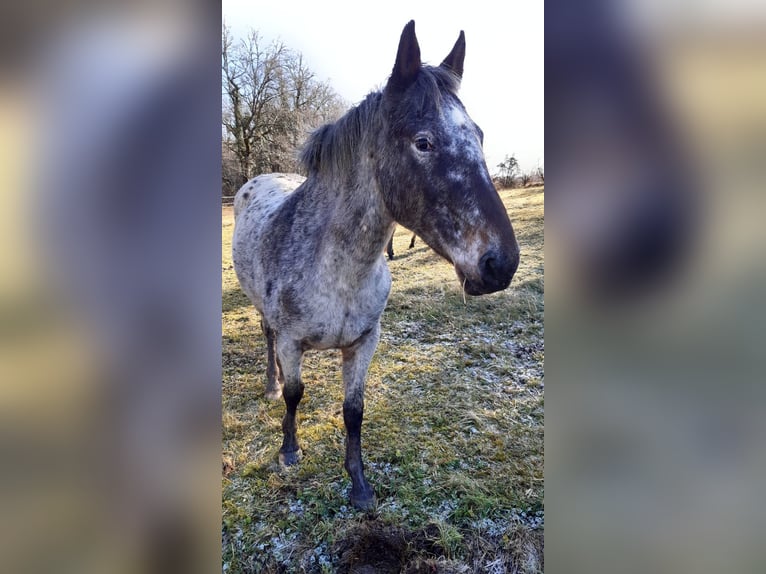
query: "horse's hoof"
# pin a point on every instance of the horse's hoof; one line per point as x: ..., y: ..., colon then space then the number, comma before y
x: 364, y: 500
x: 290, y: 458
x: 274, y: 394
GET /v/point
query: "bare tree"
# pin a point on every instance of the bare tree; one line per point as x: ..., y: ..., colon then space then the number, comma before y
x: 271, y: 100
x: 509, y: 167
x: 540, y: 173
x: 231, y: 174
x: 525, y: 178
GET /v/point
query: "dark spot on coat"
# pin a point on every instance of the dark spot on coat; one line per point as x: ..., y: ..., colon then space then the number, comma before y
x: 290, y: 303
x: 269, y: 288
x: 246, y: 195
x: 359, y: 213
x: 313, y: 340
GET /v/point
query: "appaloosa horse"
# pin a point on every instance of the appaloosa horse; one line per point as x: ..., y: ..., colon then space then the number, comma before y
x: 309, y: 253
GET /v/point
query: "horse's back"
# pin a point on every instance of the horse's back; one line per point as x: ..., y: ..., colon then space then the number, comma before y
x: 260, y: 196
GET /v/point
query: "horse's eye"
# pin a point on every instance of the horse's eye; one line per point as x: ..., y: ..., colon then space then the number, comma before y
x: 422, y: 144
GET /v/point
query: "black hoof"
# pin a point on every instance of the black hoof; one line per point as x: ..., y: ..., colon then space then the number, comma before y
x: 364, y: 499
x: 290, y: 458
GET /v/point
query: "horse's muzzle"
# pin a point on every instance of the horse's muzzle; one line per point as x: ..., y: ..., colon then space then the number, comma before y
x: 495, y: 271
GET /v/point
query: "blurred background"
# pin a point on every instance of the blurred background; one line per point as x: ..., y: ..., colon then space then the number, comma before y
x: 109, y: 287
x: 110, y: 291
x: 656, y: 141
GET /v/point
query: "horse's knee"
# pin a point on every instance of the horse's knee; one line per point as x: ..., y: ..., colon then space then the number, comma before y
x: 353, y: 413
x: 293, y: 393
x: 288, y: 366
x: 289, y: 452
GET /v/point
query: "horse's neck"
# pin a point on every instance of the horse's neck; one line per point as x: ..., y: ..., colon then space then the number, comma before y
x: 363, y: 223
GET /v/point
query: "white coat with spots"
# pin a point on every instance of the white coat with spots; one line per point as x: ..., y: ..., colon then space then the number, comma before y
x: 309, y: 252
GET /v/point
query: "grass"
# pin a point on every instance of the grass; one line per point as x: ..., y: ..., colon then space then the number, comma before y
x: 452, y: 435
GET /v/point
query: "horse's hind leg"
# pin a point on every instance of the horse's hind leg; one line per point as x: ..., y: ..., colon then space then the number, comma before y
x: 390, y: 248
x: 412, y: 242
x: 273, y: 387
x: 356, y: 360
x: 289, y: 355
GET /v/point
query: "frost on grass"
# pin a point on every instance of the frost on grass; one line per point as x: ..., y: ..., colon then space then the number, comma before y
x: 452, y: 435
x: 317, y: 558
x: 283, y: 547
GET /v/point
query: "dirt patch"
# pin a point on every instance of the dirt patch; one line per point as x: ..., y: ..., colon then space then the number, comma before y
x: 376, y: 548
x: 373, y: 547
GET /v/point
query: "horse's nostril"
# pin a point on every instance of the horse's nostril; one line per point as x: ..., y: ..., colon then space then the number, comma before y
x: 497, y: 268
x: 488, y: 264
x: 491, y: 266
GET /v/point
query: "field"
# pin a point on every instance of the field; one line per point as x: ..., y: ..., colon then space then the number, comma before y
x: 452, y: 437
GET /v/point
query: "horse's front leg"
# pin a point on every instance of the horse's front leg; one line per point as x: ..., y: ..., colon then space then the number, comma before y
x: 356, y: 360
x: 273, y: 388
x: 289, y: 354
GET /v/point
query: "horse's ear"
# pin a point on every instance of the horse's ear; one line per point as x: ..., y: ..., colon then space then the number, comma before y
x: 454, y: 60
x: 407, y: 63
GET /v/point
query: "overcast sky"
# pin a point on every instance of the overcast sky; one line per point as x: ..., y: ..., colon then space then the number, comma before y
x: 353, y: 45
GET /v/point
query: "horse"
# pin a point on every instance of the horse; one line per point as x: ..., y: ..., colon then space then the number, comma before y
x: 309, y: 252
x: 390, y: 246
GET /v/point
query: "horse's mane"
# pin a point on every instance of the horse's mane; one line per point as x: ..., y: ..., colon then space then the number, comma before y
x: 334, y: 147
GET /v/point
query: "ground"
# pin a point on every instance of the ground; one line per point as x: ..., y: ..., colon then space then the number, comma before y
x: 452, y: 437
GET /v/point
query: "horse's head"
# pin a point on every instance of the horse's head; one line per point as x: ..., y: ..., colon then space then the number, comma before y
x: 433, y: 174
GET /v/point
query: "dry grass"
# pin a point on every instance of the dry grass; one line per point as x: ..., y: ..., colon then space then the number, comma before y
x: 452, y: 436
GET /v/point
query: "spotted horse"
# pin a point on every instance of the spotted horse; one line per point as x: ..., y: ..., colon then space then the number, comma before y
x: 309, y: 252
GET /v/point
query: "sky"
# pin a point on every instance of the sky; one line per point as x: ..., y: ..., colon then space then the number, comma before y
x: 353, y: 46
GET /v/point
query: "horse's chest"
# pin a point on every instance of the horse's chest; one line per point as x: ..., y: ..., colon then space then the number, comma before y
x: 343, y: 316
